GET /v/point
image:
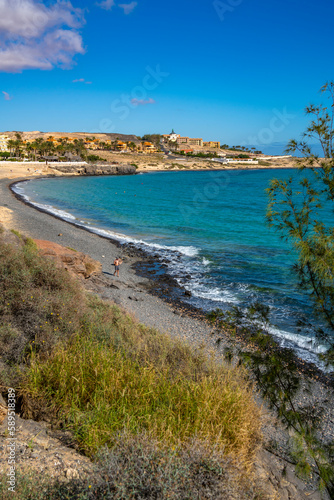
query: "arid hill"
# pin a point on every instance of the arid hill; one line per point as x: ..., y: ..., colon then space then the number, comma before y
x: 31, y: 136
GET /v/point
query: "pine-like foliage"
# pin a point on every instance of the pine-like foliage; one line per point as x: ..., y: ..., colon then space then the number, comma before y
x: 298, y: 208
x: 278, y: 378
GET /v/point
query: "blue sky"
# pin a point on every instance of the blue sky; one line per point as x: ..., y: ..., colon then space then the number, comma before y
x: 238, y: 71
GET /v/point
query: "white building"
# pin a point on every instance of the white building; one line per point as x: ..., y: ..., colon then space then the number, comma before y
x: 173, y: 137
x: 4, y: 143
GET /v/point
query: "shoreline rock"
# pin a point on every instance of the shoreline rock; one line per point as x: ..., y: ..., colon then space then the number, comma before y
x: 92, y: 170
x: 76, y: 263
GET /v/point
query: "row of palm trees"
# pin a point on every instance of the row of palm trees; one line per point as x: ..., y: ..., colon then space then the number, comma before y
x: 41, y: 148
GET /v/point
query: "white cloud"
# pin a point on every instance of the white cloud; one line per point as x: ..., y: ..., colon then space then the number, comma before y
x: 7, y: 96
x: 81, y: 80
x: 106, y: 4
x: 128, y: 7
x: 142, y: 102
x: 33, y: 36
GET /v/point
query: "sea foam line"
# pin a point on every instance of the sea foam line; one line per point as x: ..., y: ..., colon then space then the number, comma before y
x: 189, y: 251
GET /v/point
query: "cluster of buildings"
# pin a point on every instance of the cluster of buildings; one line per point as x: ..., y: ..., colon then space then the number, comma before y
x: 4, y: 143
x: 186, y: 142
x: 91, y: 143
x: 94, y: 144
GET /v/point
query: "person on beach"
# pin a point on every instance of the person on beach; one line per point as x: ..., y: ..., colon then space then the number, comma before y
x: 117, y: 263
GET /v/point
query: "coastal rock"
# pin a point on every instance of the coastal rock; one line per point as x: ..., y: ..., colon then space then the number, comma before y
x: 3, y: 409
x: 278, y: 478
x: 103, y: 169
x: 76, y: 263
x: 41, y: 450
x: 72, y: 474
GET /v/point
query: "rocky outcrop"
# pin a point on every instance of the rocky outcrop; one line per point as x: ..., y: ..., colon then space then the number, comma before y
x: 3, y: 409
x: 38, y: 449
x: 76, y: 263
x: 96, y: 169
x: 109, y: 170
x: 280, y: 481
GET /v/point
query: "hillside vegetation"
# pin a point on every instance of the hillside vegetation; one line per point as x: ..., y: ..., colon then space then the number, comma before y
x: 90, y: 367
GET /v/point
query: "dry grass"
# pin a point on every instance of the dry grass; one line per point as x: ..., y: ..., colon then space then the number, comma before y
x: 95, y: 369
x: 38, y: 305
x: 102, y: 390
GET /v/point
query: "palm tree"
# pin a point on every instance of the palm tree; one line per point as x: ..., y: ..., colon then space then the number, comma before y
x: 64, y: 140
x: 61, y: 149
x: 29, y: 149
x: 79, y: 147
x: 18, y: 145
x: 11, y: 146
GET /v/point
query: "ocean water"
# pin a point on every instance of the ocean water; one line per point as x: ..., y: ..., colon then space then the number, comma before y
x: 209, y: 227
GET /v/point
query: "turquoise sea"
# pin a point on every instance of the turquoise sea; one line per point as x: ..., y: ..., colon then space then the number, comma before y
x: 208, y: 226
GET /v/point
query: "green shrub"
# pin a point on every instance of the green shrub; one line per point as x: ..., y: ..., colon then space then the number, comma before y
x: 94, y: 158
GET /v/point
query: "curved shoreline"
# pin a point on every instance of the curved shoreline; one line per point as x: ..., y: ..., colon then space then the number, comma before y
x: 170, y: 292
x: 22, y: 199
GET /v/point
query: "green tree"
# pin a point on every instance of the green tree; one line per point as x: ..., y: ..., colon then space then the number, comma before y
x: 29, y: 149
x: 298, y: 209
x: 11, y: 146
x: 37, y: 146
x: 154, y: 138
x: 79, y: 147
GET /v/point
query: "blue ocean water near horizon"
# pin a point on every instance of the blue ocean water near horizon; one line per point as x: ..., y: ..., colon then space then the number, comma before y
x: 208, y: 225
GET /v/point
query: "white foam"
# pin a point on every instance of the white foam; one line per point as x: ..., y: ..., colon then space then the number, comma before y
x: 214, y: 294
x: 122, y: 238
x: 205, y: 261
x: 307, y: 343
x: 18, y: 188
x: 54, y: 211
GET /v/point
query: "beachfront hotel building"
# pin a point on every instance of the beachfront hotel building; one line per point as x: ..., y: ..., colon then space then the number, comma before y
x: 189, y: 141
x: 4, y: 143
